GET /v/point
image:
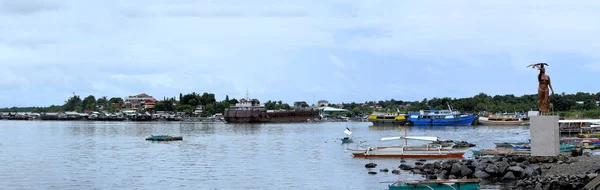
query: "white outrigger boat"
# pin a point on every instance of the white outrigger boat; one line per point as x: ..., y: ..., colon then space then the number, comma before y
x: 434, y: 149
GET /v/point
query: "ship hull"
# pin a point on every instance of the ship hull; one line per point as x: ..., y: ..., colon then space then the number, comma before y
x: 397, y: 152
x: 261, y: 116
x: 387, y: 122
x: 463, y: 120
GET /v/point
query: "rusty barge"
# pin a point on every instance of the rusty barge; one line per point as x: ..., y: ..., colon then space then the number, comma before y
x: 251, y: 111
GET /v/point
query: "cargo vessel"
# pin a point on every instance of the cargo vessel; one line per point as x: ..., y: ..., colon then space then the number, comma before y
x: 251, y: 111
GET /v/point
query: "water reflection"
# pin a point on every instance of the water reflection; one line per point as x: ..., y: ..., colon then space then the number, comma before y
x: 386, y: 127
x: 114, y: 155
x: 249, y: 129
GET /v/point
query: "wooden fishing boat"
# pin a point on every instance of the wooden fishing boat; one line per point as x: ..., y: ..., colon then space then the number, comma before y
x: 164, y: 138
x: 434, y: 149
x: 347, y: 138
x: 451, y: 184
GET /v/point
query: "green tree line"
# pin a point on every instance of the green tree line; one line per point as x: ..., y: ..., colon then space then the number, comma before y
x: 580, y: 103
x: 483, y: 102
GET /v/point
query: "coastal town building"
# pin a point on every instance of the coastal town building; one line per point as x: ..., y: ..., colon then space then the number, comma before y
x: 140, y: 101
x: 327, y: 111
x: 247, y: 104
x: 300, y: 105
x: 198, y: 110
x: 322, y: 103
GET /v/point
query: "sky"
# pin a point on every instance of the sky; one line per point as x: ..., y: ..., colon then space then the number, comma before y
x: 308, y: 50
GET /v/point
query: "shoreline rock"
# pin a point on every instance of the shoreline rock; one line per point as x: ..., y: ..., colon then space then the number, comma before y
x: 523, y: 172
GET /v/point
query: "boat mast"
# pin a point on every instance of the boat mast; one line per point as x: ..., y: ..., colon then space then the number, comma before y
x: 247, y: 97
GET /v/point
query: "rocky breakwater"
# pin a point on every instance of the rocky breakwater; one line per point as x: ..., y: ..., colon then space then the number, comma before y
x: 518, y: 172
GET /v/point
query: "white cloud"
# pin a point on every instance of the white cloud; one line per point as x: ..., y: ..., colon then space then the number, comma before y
x: 336, y: 61
x: 115, y: 47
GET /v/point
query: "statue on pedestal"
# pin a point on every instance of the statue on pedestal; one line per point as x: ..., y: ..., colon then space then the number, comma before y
x: 544, y: 83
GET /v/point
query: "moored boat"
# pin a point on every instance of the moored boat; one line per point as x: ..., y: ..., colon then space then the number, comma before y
x: 496, y: 122
x: 387, y: 119
x: 450, y: 184
x: 251, y: 111
x: 434, y: 149
x: 440, y: 117
x: 347, y: 138
x: 164, y: 138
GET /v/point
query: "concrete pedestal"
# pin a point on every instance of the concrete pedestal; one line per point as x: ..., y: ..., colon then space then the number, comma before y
x: 545, y: 136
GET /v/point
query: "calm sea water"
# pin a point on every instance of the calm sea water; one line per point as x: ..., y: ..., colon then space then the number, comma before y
x: 114, y: 155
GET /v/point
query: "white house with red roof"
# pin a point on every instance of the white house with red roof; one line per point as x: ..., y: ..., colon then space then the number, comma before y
x: 142, y: 100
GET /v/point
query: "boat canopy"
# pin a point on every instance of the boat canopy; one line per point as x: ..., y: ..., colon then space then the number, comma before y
x: 422, y: 138
x: 593, y: 121
x: 348, y: 132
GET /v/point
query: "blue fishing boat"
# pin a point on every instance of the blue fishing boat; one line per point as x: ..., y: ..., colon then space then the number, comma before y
x: 347, y: 138
x: 160, y: 136
x: 456, y: 184
x: 163, y: 138
x: 440, y: 117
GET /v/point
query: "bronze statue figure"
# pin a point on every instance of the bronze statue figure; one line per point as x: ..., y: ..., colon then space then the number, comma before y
x: 544, y: 83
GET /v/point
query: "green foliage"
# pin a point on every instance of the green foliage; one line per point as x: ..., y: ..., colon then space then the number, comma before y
x: 276, y: 105
x: 102, y: 102
x: 209, y: 110
x: 166, y: 105
x: 348, y: 114
x: 52, y: 108
x: 483, y: 102
x: 112, y: 108
x: 356, y: 111
x: 188, y: 109
x: 117, y: 100
x: 595, y: 113
x: 73, y: 104
x: 89, y: 103
x: 220, y: 107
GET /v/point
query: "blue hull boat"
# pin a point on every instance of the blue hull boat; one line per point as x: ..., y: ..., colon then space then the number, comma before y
x: 463, y: 184
x: 440, y: 117
x: 346, y: 140
x: 163, y: 138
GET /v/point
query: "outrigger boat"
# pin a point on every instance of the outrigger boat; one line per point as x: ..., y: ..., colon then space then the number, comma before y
x: 347, y: 138
x: 164, y: 138
x: 434, y: 149
x: 451, y: 184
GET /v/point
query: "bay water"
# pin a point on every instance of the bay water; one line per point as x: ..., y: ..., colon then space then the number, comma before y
x: 115, y: 155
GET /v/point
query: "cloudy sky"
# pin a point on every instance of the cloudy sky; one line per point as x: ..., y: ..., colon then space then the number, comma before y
x: 288, y: 50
